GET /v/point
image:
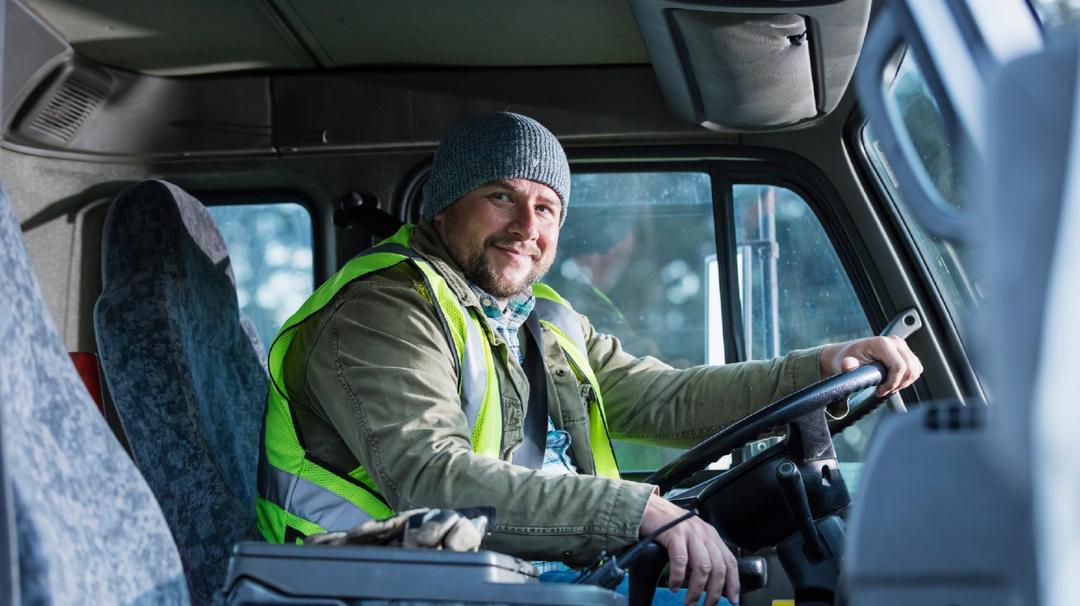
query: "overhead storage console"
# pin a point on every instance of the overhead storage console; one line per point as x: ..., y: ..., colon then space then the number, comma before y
x: 753, y: 64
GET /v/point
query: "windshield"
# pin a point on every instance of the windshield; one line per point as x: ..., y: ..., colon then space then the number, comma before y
x: 1057, y: 13
x: 947, y: 263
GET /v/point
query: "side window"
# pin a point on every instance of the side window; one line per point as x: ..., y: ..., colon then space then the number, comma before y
x: 794, y: 291
x: 633, y: 257
x: 271, y: 251
x: 947, y: 262
x: 638, y: 257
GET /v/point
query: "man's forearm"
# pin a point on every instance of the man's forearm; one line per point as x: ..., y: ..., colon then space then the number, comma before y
x: 648, y: 400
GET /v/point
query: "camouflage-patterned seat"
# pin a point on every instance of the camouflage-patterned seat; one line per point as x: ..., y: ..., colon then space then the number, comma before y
x: 88, y: 528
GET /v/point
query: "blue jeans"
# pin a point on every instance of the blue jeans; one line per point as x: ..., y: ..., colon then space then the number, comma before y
x: 662, y: 597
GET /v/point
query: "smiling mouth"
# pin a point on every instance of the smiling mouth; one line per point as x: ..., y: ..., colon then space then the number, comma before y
x: 516, y: 254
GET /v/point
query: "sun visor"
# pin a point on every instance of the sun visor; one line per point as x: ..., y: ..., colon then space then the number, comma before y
x: 738, y: 66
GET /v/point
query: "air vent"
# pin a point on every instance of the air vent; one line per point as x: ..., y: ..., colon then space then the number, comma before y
x: 68, y: 109
x: 954, y: 417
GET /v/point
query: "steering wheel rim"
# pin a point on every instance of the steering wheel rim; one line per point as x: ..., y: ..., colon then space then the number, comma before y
x: 746, y: 429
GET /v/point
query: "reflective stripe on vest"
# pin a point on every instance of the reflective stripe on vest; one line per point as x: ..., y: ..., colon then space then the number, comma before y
x: 308, y: 501
x: 299, y: 493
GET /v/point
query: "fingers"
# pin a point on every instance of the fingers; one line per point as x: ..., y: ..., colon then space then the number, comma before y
x: 903, y: 366
x: 849, y: 363
x: 700, y: 568
x: 725, y: 577
x: 731, y: 577
x: 702, y: 559
x: 677, y: 558
x: 696, y: 554
x: 896, y: 369
x: 914, y: 365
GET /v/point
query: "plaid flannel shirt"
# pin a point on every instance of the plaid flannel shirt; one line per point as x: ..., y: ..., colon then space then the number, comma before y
x: 506, y: 324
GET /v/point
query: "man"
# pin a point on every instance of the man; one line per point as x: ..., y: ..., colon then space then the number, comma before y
x: 406, y: 380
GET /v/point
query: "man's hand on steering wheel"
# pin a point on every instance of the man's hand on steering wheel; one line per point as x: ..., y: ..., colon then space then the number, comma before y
x: 902, y: 365
x: 695, y: 550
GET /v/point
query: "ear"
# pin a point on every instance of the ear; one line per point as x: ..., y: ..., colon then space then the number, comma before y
x: 438, y: 221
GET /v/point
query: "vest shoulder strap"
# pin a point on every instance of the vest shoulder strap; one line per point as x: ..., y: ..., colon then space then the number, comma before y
x: 554, y: 309
x: 413, y: 257
x: 384, y: 255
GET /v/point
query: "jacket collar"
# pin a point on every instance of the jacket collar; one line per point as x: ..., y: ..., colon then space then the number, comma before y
x: 426, y: 241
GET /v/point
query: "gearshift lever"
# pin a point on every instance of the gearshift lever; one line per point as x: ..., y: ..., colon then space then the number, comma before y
x: 799, y: 509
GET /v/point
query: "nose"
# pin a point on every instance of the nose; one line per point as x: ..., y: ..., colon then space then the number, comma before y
x: 524, y: 224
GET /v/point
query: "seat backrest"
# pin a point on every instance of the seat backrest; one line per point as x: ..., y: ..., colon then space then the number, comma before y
x: 185, y: 371
x: 88, y: 528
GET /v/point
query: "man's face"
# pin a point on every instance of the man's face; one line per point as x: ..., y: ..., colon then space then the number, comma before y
x: 503, y: 234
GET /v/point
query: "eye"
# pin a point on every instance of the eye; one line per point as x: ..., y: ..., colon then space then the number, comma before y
x: 501, y: 196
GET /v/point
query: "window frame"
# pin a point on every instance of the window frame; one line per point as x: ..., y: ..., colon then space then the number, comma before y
x: 893, y: 222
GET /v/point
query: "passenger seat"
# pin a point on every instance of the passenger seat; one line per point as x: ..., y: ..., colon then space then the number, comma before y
x: 185, y: 370
x: 88, y: 530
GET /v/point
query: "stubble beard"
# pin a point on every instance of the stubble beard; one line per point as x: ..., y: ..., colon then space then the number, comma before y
x: 472, y: 258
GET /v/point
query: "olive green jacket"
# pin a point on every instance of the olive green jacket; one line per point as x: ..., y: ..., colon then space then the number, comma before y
x: 373, y: 384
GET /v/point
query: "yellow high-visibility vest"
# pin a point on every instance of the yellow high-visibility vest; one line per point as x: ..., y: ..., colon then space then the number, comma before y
x: 298, y: 497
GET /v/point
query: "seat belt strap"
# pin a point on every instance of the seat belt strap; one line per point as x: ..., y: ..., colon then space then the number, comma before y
x: 531, y: 452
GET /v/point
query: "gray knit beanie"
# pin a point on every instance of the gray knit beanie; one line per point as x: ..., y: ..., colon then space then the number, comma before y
x: 494, y: 146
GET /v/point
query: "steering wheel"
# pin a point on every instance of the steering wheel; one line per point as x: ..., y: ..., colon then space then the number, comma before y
x: 786, y: 495
x: 792, y: 407
x: 785, y: 410
x: 800, y: 474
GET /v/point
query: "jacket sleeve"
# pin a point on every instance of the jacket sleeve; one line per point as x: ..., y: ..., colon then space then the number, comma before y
x: 383, y: 374
x: 647, y: 400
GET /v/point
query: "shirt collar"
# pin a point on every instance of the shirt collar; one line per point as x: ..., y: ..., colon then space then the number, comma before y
x: 518, y: 307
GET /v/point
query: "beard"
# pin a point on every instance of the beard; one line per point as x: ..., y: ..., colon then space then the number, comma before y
x: 471, y: 256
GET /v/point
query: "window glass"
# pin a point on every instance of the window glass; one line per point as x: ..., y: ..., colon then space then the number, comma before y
x: 947, y: 262
x: 794, y: 292
x: 633, y: 257
x: 271, y: 253
x: 924, y: 124
x: 1057, y: 13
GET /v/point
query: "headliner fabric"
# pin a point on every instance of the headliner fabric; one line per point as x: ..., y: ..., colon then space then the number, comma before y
x: 89, y: 530
x: 185, y: 371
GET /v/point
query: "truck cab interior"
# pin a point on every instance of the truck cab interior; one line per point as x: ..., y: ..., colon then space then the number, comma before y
x: 749, y: 178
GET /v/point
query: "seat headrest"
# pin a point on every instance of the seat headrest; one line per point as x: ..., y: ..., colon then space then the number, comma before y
x: 155, y: 216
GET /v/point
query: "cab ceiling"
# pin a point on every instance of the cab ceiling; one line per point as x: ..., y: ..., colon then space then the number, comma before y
x: 110, y: 79
x: 190, y: 37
